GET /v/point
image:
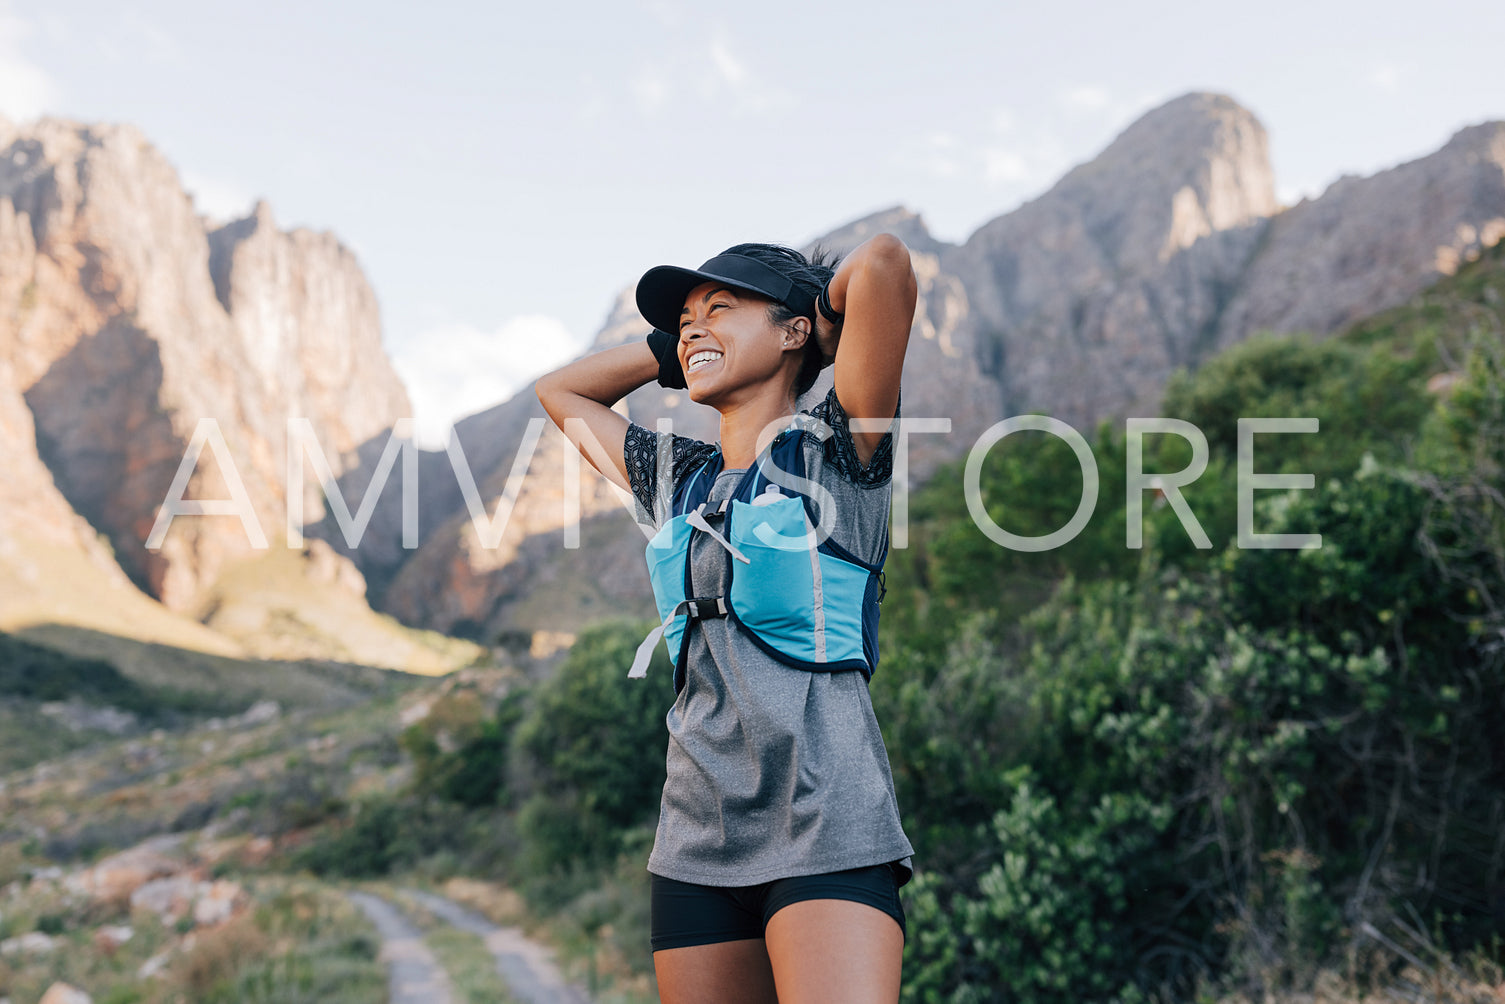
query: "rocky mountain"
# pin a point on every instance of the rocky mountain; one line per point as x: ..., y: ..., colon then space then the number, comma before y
x: 131, y: 323
x: 1165, y: 248
x: 1369, y: 243
x: 1081, y: 302
x: 126, y: 322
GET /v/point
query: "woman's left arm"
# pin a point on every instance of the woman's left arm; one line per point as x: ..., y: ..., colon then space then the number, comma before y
x: 875, y: 289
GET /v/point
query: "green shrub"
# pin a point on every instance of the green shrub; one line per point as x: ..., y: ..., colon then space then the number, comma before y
x: 588, y: 757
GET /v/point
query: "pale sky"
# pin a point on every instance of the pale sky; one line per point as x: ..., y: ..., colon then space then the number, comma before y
x: 503, y: 170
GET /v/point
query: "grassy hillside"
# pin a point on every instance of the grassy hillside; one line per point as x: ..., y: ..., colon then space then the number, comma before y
x: 284, y: 604
x: 88, y: 656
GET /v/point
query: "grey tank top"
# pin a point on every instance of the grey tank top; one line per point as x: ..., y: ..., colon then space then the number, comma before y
x: 772, y: 771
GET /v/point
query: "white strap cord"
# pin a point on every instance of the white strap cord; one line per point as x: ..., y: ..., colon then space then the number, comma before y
x: 645, y: 647
x: 698, y: 521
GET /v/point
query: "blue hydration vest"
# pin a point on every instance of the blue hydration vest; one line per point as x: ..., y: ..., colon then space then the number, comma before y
x: 813, y: 608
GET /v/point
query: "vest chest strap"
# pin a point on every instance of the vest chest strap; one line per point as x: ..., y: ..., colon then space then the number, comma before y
x: 697, y: 607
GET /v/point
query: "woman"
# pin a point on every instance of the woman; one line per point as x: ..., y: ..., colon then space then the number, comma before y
x: 779, y: 851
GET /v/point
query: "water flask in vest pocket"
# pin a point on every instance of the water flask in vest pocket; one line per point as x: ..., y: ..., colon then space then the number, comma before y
x: 770, y: 495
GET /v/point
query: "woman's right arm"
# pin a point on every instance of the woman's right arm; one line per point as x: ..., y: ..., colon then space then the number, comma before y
x: 585, y: 390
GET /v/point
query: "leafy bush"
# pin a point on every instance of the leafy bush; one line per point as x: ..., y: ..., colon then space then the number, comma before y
x: 1048, y: 919
x: 385, y: 835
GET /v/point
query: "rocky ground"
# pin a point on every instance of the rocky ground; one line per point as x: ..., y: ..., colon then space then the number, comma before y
x: 151, y: 869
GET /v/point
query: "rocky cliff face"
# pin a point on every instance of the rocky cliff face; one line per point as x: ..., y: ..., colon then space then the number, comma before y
x: 1163, y: 249
x: 31, y: 507
x: 123, y: 331
x: 1369, y: 243
x: 1081, y: 302
x: 308, y: 324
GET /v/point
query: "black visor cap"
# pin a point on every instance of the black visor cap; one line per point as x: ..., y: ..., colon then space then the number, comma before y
x: 662, y: 290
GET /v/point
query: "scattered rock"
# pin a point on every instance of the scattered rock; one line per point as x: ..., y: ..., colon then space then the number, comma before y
x: 63, y: 993
x: 120, y: 875
x: 154, y: 965
x: 181, y: 895
x: 415, y: 713
x: 216, y: 903
x: 212, y: 851
x: 81, y: 717
x: 110, y: 937
x: 260, y: 713
x: 30, y: 943
x: 169, y: 898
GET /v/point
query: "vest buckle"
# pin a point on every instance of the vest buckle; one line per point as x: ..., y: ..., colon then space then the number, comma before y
x: 706, y: 607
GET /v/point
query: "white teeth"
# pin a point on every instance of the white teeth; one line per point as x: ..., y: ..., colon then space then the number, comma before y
x: 700, y: 359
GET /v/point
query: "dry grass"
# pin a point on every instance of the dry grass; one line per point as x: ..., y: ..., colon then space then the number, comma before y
x: 1379, y: 976
x: 492, y: 900
x: 218, y: 954
x: 271, y: 605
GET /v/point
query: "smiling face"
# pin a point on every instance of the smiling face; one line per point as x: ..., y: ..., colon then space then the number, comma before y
x: 727, y: 342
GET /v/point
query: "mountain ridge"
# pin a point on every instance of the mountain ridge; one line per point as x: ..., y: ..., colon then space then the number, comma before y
x: 1080, y: 303
x: 1164, y: 248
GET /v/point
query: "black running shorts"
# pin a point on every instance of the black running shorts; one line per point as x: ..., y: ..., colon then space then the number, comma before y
x: 685, y: 914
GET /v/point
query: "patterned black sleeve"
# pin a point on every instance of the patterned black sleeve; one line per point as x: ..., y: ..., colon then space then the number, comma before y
x: 841, y: 451
x: 640, y: 454
x: 688, y: 455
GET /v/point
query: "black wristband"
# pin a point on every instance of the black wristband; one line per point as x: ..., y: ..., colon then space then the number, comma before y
x: 823, y: 304
x: 670, y: 373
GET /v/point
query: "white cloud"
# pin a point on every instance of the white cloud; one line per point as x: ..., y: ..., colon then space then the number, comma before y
x: 716, y: 73
x: 1004, y: 166
x: 1385, y: 77
x: 980, y: 154
x: 218, y: 199
x: 730, y: 67
x: 1086, y: 98
x: 1004, y: 120
x: 1036, y: 158
x: 26, y: 91
x: 939, y: 158
x: 457, y: 370
x: 1116, y: 108
x: 729, y: 71
x: 650, y: 90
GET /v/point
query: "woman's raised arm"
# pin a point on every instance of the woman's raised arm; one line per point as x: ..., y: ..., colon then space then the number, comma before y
x: 875, y: 289
x: 586, y: 389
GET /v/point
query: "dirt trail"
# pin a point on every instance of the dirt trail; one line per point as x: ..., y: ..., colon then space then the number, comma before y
x: 413, y: 974
x: 526, y: 966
